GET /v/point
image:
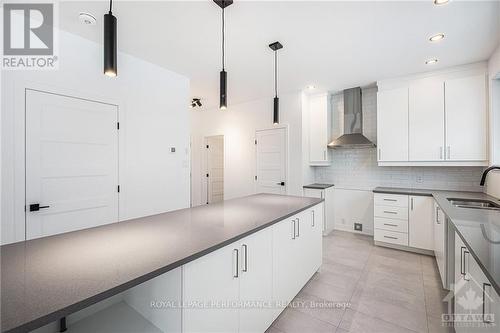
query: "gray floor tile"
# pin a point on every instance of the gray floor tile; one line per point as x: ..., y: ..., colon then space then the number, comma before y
x: 356, y: 322
x: 292, y: 321
x: 436, y: 326
x: 321, y: 309
x: 327, y: 291
x: 388, y: 291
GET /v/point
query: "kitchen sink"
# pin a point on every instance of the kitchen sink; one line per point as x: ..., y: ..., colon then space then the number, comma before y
x: 474, y: 203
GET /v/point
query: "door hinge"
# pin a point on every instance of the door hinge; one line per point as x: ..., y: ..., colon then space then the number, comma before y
x: 118, y: 125
x: 255, y: 141
x: 207, y: 146
x: 255, y: 177
x: 207, y: 174
x: 118, y: 188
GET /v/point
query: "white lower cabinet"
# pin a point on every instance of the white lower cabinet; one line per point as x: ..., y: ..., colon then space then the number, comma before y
x: 297, y: 253
x: 404, y: 220
x: 420, y: 222
x: 233, y: 289
x: 476, y: 304
x: 208, y: 282
x: 256, y: 282
x: 328, y: 212
x: 440, y: 243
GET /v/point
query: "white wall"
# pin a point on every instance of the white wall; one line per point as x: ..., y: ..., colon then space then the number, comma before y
x: 153, y: 117
x: 493, y: 184
x: 238, y: 124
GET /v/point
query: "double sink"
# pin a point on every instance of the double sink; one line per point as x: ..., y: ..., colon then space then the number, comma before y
x: 474, y: 203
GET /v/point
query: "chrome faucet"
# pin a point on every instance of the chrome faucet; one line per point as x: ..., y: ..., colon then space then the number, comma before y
x: 483, y: 178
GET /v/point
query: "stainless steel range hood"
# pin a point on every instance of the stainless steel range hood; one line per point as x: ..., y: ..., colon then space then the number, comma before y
x: 353, y: 123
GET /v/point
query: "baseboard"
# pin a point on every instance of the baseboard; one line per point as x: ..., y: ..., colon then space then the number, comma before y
x: 405, y: 248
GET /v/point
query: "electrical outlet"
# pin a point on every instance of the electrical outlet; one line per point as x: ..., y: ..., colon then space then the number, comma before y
x: 358, y: 226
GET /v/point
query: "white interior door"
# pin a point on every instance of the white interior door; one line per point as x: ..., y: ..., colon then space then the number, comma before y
x: 215, y: 168
x: 271, y: 147
x: 71, y: 164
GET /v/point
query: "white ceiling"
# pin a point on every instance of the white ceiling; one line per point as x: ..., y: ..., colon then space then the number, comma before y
x: 331, y: 44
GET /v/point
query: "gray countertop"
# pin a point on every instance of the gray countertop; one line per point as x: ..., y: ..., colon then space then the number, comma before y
x: 318, y: 186
x: 479, y: 229
x: 48, y: 278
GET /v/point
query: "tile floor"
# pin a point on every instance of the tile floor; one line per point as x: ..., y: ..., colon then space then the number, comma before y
x: 388, y: 291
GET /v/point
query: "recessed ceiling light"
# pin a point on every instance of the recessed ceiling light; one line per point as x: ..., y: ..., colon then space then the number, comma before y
x: 87, y: 19
x: 441, y: 2
x: 431, y: 61
x: 310, y: 87
x: 436, y: 37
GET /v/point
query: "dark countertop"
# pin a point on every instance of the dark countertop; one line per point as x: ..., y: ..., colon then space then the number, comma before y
x: 48, y: 278
x: 479, y: 229
x: 317, y: 186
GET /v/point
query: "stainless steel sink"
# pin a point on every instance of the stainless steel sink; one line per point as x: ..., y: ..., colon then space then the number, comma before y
x: 474, y: 203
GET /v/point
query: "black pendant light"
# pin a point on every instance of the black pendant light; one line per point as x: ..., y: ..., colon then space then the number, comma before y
x: 110, y: 65
x: 223, y: 74
x: 276, y: 109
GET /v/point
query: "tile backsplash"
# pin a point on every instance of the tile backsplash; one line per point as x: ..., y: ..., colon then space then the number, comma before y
x: 358, y: 168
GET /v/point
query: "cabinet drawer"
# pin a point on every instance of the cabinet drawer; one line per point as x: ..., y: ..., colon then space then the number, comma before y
x: 400, y: 213
x: 391, y: 224
x: 392, y: 237
x: 395, y: 200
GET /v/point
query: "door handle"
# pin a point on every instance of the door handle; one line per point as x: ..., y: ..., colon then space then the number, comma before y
x: 298, y: 227
x: 236, y: 273
x: 437, y: 216
x: 36, y: 207
x: 281, y: 183
x: 441, y: 152
x: 449, y: 152
x: 312, y: 224
x: 245, y: 258
x: 389, y: 212
x: 411, y: 203
x: 293, y: 229
x: 485, y: 297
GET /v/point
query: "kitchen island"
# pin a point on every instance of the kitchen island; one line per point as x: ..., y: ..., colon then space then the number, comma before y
x: 49, y: 278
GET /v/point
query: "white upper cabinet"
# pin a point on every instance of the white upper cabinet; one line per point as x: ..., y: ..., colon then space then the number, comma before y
x: 445, y: 121
x: 392, y: 120
x: 426, y: 120
x: 318, y: 130
x: 466, y: 119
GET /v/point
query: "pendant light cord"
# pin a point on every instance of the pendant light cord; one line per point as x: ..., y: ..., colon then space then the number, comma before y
x: 110, y: 5
x: 223, y: 37
x: 276, y: 73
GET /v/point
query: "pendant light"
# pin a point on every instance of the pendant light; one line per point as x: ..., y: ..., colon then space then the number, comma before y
x: 110, y: 63
x: 223, y: 74
x: 276, y: 109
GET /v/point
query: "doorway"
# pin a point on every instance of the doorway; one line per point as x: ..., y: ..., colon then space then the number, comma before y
x: 71, y: 164
x: 214, y: 161
x: 271, y: 150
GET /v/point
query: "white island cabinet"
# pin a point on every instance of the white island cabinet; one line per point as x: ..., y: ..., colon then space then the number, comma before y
x: 244, y: 286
